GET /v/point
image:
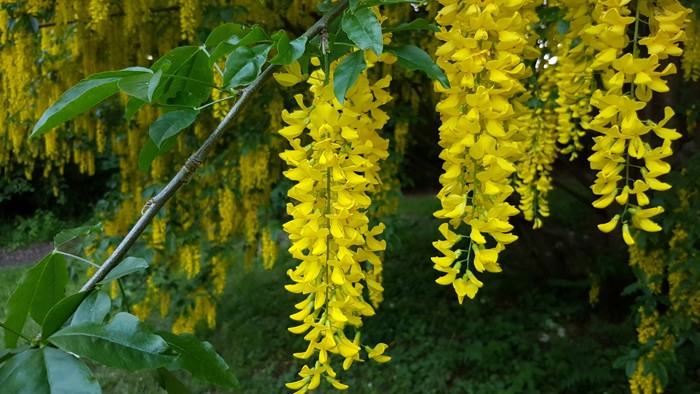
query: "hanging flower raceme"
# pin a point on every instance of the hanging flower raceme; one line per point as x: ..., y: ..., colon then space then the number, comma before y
x: 574, y: 76
x: 625, y: 142
x: 482, y: 55
x: 690, y: 62
x: 539, y: 132
x: 334, y: 162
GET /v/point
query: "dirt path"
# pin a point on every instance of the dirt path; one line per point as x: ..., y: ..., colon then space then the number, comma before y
x: 28, y: 254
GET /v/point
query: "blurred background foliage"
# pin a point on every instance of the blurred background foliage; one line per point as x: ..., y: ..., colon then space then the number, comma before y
x: 563, y: 312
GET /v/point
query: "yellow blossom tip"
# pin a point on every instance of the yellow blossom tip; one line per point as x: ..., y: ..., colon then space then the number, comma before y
x: 626, y: 236
x: 610, y: 225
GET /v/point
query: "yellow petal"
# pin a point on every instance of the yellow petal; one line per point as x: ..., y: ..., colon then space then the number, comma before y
x: 649, y: 226
x: 604, y: 201
x: 626, y: 236
x: 298, y: 384
x: 609, y: 226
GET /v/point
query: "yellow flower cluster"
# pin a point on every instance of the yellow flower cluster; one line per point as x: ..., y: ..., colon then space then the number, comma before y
x: 642, y: 380
x: 158, y: 229
x: 629, y: 81
x: 574, y: 75
x: 253, y: 169
x: 143, y: 309
x: 594, y: 292
x: 684, y: 295
x: 651, y: 266
x: 136, y: 13
x: 641, y: 383
x: 99, y: 13
x: 252, y: 201
x: 190, y: 260
x: 218, y: 274
x: 227, y: 212
x: 221, y: 108
x: 333, y: 174
x: 386, y: 195
x: 190, y: 14
x: 690, y: 62
x: 34, y: 7
x: 648, y: 326
x: 482, y: 54
x: 301, y: 13
x: 268, y: 248
x: 539, y: 132
x: 204, y: 309
x: 649, y: 331
x: 400, y: 136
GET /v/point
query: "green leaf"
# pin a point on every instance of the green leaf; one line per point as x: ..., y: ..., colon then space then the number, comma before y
x: 128, y: 266
x: 124, y: 343
x: 61, y: 312
x: 49, y: 371
x: 66, y: 236
x: 8, y: 353
x: 346, y: 74
x: 353, y: 4
x: 93, y: 309
x: 153, y: 84
x: 255, y: 35
x: 174, y: 59
x: 630, y: 367
x: 76, y: 100
x: 39, y: 289
x: 150, y: 151
x: 364, y: 29
x: 123, y: 73
x: 243, y: 65
x: 132, y: 107
x: 200, y: 359
x: 223, y: 33
x: 187, y: 78
x: 136, y: 85
x: 416, y: 24
x: 170, y: 383
x: 340, y: 45
x: 83, y: 96
x: 413, y: 58
x: 289, y: 52
x: 171, y: 124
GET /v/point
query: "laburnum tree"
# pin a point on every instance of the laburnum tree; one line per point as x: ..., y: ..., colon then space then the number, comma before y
x: 205, y: 154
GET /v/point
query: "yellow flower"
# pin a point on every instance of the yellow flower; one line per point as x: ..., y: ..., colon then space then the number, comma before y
x: 291, y: 77
x: 377, y: 353
x: 622, y: 144
x: 480, y: 43
x: 334, y: 171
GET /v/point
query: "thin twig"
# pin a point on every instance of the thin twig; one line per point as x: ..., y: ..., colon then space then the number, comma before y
x: 77, y: 258
x: 19, y: 334
x: 127, y: 304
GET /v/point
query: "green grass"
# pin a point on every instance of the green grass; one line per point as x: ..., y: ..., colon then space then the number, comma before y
x: 522, y: 334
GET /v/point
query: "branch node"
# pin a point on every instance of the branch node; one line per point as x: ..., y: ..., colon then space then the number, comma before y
x: 191, y: 166
x: 149, y: 204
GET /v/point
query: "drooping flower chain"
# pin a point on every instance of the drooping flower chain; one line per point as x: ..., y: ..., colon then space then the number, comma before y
x: 625, y: 143
x: 482, y: 55
x: 333, y: 173
x: 539, y: 145
x: 574, y: 76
